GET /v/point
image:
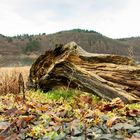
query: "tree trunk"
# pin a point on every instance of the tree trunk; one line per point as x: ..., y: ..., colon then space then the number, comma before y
x: 108, y: 76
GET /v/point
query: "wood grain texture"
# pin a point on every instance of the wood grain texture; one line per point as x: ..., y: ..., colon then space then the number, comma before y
x: 108, y: 76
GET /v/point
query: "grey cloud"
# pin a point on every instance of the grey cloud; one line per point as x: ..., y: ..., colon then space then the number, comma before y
x: 108, y: 5
x: 63, y: 9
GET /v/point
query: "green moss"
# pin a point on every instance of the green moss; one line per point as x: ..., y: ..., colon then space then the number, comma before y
x: 57, y: 94
x: 52, y: 95
x: 134, y: 106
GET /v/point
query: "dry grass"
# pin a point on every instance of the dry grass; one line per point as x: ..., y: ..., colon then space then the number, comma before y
x: 9, y: 79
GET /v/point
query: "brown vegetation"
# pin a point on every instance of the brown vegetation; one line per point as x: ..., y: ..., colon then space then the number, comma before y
x: 9, y: 79
x: 90, y: 41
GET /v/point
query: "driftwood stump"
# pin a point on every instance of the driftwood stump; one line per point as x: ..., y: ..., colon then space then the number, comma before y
x: 108, y: 76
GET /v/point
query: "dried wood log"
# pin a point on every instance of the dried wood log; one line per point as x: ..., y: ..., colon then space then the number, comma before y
x: 108, y: 76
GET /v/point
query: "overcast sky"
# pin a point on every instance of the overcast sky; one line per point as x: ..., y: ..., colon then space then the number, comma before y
x: 113, y: 18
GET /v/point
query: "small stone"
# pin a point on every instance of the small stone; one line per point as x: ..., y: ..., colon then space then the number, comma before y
x: 104, y: 118
x: 105, y: 137
x: 138, y: 121
x: 46, y: 138
x: 119, y: 137
x: 78, y: 138
x: 60, y: 137
x: 90, y: 136
x: 89, y: 130
x: 28, y: 138
x: 137, y: 135
x: 22, y: 136
x: 4, y: 125
x: 77, y: 132
x: 99, y: 131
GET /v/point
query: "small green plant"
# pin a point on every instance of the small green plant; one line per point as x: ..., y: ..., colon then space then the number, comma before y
x: 37, y: 131
x: 57, y: 94
x: 134, y: 106
x: 52, y: 95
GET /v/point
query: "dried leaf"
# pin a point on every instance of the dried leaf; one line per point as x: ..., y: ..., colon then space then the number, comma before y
x: 55, y: 118
x: 19, y: 123
x: 86, y: 99
x: 112, y: 121
x: 116, y: 103
x: 12, y: 137
x: 4, y: 125
x: 54, y: 123
x: 62, y: 113
x: 2, y: 138
x: 132, y: 138
x: 43, y: 109
x: 132, y: 113
x: 11, y: 111
x: 21, y: 111
x: 28, y: 118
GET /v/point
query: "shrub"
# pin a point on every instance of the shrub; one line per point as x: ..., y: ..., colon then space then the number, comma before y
x: 9, y: 79
x: 32, y: 45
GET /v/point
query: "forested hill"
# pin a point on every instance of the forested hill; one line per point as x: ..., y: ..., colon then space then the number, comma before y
x: 91, y: 41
